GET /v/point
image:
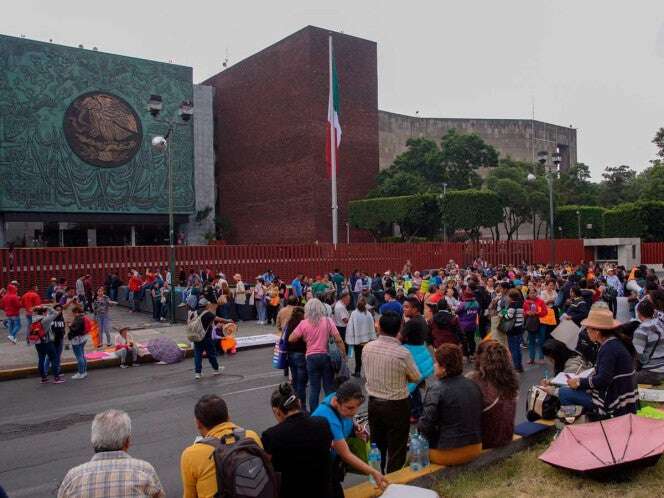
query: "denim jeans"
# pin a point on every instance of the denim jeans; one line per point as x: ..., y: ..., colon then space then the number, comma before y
x: 569, y: 396
x: 133, y: 299
x: 46, y: 350
x: 14, y: 325
x: 261, y: 311
x: 514, y: 344
x: 104, y: 322
x: 298, y: 368
x: 156, y: 308
x: 79, y: 353
x: 208, y: 346
x: 535, y: 343
x: 113, y: 294
x: 56, y: 362
x: 319, y: 369
x: 28, y: 322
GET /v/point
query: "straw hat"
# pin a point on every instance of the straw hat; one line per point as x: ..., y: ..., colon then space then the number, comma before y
x: 601, y: 319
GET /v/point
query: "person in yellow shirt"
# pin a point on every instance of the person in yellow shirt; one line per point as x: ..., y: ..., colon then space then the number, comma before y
x: 197, y: 469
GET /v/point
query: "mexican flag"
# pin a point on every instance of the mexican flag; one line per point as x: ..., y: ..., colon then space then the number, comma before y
x: 333, y: 125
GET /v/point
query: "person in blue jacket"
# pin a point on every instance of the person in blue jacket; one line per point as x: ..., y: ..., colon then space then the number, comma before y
x: 413, y: 340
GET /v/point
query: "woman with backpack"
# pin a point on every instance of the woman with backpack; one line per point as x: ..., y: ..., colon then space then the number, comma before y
x: 321, y: 338
x: 77, y: 338
x: 511, y: 323
x: 468, y: 313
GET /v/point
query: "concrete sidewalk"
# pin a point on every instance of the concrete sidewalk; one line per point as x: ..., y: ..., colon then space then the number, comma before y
x: 20, y: 360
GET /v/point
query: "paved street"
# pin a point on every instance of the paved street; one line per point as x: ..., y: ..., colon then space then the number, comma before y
x: 45, y: 430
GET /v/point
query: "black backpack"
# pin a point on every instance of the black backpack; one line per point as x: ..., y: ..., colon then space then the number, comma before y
x: 243, y: 468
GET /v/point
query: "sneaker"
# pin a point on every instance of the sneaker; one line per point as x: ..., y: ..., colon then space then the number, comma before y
x: 136, y: 364
x: 12, y: 339
x: 59, y: 380
x: 84, y: 375
x: 76, y: 376
x: 197, y: 376
x: 124, y: 365
x: 44, y: 380
x: 218, y: 370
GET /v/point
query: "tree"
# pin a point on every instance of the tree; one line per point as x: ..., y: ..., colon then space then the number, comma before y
x: 617, y: 186
x: 397, y: 183
x: 462, y: 155
x: 574, y: 186
x: 659, y: 142
x: 470, y: 210
x: 649, y: 184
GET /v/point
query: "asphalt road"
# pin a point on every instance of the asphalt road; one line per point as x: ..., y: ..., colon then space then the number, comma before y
x: 45, y: 430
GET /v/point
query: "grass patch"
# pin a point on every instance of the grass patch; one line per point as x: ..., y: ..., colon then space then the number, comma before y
x: 524, y: 475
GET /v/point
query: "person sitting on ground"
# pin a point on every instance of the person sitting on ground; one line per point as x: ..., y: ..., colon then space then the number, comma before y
x: 126, y: 346
x: 299, y: 446
x: 499, y: 383
x: 611, y: 390
x: 452, y: 418
x: 339, y: 408
x: 197, y: 467
x: 112, y: 472
x: 649, y: 344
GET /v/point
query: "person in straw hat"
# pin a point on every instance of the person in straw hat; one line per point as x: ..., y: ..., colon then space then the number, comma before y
x: 610, y: 390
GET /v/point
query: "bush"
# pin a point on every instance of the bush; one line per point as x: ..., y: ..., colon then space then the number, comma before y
x: 567, y: 218
x: 472, y: 209
x: 623, y: 221
x: 639, y: 219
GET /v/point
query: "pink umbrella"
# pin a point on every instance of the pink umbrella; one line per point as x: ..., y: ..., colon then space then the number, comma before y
x: 608, y: 445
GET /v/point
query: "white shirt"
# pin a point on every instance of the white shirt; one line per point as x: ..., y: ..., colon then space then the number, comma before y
x: 340, y: 314
x: 360, y: 328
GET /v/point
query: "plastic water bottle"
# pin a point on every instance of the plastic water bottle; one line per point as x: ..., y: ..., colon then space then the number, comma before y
x: 374, y: 461
x: 424, y: 448
x: 415, y: 452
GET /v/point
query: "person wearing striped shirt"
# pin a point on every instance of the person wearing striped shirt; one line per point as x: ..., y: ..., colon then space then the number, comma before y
x: 388, y: 368
x: 648, y: 342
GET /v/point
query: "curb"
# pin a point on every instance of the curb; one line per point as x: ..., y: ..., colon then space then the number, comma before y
x: 70, y: 366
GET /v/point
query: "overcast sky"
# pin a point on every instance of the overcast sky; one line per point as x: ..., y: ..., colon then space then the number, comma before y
x: 597, y: 65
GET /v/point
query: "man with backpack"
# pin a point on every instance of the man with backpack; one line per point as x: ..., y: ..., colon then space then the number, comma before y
x: 225, y: 458
x: 40, y: 335
x: 199, y: 332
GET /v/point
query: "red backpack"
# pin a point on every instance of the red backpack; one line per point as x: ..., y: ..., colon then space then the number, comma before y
x: 36, y: 334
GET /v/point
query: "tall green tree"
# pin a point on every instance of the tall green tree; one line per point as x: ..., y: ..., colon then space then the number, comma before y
x: 649, y: 184
x: 462, y: 155
x: 574, y: 186
x: 617, y: 186
x: 659, y: 142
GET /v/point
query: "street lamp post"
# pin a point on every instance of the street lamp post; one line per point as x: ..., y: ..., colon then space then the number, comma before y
x: 542, y: 157
x: 578, y: 221
x: 161, y: 144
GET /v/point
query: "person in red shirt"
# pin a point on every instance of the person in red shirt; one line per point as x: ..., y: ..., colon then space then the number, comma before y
x: 535, y: 309
x: 29, y: 301
x: 134, y: 285
x: 12, y: 306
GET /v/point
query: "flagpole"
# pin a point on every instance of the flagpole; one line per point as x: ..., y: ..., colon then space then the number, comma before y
x: 333, y: 163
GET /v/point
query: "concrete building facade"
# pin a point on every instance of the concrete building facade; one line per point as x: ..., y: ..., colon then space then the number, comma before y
x: 519, y: 139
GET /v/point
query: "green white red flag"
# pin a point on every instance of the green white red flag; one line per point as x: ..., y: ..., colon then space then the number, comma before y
x: 333, y: 125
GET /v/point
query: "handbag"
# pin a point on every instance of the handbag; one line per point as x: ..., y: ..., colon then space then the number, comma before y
x: 333, y: 350
x: 540, y: 404
x: 505, y: 325
x: 280, y: 353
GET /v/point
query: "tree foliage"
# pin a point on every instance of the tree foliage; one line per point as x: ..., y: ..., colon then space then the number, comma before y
x: 617, y: 186
x: 470, y: 210
x: 462, y: 154
x: 644, y: 219
x: 568, y: 220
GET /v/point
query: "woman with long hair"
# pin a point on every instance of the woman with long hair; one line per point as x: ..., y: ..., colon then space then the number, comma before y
x: 296, y: 360
x: 499, y: 383
x: 359, y: 331
x: 316, y: 329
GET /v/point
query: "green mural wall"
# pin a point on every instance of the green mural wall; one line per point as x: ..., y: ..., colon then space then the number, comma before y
x: 75, y: 133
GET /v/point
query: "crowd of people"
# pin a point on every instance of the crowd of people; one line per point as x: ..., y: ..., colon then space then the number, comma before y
x: 437, y: 351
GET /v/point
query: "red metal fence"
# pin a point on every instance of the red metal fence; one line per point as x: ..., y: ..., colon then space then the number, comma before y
x: 652, y: 253
x: 36, y: 266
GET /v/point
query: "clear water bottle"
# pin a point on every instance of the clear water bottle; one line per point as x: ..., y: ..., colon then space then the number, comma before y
x: 374, y: 461
x: 415, y: 451
x: 424, y: 448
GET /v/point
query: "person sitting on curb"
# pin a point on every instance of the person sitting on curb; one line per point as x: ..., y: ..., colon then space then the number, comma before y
x: 124, y: 346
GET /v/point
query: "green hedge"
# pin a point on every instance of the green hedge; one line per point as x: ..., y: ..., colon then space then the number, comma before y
x: 567, y: 218
x: 472, y: 209
x: 623, y: 221
x: 640, y: 219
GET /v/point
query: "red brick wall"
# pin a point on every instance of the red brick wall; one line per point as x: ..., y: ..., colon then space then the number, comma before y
x: 270, y: 125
